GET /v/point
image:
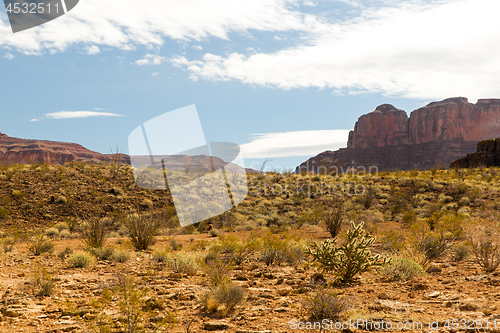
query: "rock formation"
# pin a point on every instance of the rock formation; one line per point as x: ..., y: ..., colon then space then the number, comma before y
x: 15, y: 150
x: 434, y: 135
x: 488, y: 154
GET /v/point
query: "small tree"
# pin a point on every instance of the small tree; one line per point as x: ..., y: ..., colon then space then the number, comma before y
x: 351, y: 258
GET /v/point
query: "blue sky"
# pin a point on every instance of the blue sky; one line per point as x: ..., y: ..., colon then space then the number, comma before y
x: 285, y: 79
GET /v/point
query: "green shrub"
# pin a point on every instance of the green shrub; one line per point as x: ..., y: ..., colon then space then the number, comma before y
x: 80, y: 260
x: 174, y: 244
x: 4, y: 213
x: 325, y: 304
x: 61, y: 226
x: 401, y: 269
x: 234, y: 250
x: 143, y: 230
x: 40, y: 244
x: 51, y: 232
x: 351, y: 258
x: 65, y: 233
x: 120, y: 256
x: 160, y: 256
x: 182, y: 264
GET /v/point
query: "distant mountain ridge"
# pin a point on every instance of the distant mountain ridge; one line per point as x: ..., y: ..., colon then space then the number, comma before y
x: 433, y: 135
x: 24, y: 151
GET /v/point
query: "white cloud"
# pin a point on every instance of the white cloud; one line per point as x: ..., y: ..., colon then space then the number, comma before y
x: 94, y: 49
x: 197, y: 47
x: 300, y: 143
x: 35, y: 119
x: 309, y: 4
x: 124, y: 24
x: 416, y: 49
x: 9, y: 56
x: 155, y: 74
x: 150, y: 59
x: 79, y: 114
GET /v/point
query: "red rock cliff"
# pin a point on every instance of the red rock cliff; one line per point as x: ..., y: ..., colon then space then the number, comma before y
x: 433, y: 135
x: 15, y: 150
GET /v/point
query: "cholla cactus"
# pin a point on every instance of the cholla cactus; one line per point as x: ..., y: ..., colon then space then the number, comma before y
x: 351, y: 258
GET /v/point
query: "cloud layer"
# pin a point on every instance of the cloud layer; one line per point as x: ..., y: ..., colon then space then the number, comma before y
x: 300, y: 143
x: 422, y: 49
x: 416, y: 50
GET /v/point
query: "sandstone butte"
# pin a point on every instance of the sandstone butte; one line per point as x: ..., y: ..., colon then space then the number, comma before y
x: 433, y: 136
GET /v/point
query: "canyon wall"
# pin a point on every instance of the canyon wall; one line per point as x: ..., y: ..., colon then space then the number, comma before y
x: 434, y: 135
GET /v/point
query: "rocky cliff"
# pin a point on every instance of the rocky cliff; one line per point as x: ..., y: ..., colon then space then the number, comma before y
x: 433, y: 135
x: 488, y: 154
x: 15, y: 150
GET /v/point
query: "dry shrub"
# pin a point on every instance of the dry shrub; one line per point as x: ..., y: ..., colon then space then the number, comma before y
x: 325, y: 304
x: 40, y: 244
x: 143, y: 230
x: 42, y: 281
x: 95, y: 231
x: 484, y: 238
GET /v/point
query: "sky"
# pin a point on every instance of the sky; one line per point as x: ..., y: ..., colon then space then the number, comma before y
x: 284, y: 79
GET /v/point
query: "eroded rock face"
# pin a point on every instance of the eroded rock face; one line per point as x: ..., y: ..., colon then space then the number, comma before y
x: 15, y: 150
x: 488, y: 154
x: 434, y: 135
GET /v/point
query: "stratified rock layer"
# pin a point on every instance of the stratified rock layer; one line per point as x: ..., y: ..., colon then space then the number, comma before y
x: 434, y: 135
x: 488, y: 154
x: 15, y: 150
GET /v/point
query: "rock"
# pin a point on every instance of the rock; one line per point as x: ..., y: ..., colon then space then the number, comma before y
x: 487, y: 155
x: 434, y: 269
x: 383, y: 295
x: 12, y: 312
x: 386, y: 305
x: 216, y: 325
x: 283, y: 291
x: 468, y: 305
x: 437, y: 133
x: 420, y: 286
x: 433, y: 294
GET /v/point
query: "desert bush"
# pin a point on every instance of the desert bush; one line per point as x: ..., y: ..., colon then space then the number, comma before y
x: 234, y: 250
x: 51, y: 232
x: 222, y: 299
x: 65, y: 233
x: 61, y: 226
x: 120, y: 256
x: 64, y: 253
x: 80, y: 260
x: 401, y: 269
x: 392, y: 241
x: 368, y: 197
x: 460, y: 251
x: 8, y: 244
x: 160, y: 256
x: 174, y: 244
x: 484, y: 239
x: 325, y: 304
x: 417, y: 255
x: 95, y: 231
x: 293, y: 256
x: 216, y: 271
x: 143, y: 230
x: 103, y: 253
x: 4, y: 213
x: 273, y: 249
x: 351, y: 258
x: 40, y: 244
x: 334, y: 220
x: 42, y: 281
x: 182, y: 264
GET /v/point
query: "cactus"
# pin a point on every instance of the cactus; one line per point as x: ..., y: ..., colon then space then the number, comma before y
x: 351, y: 258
